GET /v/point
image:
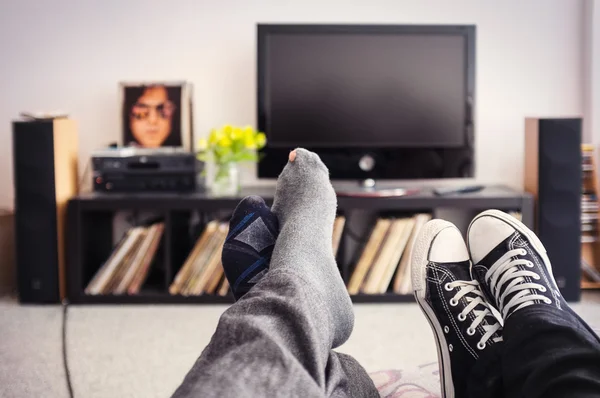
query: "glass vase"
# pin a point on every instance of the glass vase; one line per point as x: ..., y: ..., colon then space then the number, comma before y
x: 226, y: 179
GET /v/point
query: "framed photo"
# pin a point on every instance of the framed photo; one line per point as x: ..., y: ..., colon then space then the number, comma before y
x: 157, y: 114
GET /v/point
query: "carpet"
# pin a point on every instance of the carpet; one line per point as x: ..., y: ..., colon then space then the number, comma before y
x: 145, y: 351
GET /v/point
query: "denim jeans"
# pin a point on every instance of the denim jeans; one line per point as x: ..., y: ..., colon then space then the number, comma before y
x: 547, y: 352
x: 275, y: 342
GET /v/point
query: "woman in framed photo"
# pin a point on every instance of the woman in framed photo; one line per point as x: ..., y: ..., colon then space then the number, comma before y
x: 152, y: 115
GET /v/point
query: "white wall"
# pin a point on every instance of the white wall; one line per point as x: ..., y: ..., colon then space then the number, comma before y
x: 591, y: 82
x: 70, y: 55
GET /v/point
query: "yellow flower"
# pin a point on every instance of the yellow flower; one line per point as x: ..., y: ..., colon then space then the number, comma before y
x: 249, y: 142
x: 237, y: 134
x: 261, y: 140
x: 227, y: 129
x: 224, y: 142
x: 213, y: 137
x: 233, y: 141
x: 248, y: 133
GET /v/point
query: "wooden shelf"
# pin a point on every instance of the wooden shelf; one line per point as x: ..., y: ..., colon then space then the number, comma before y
x: 90, y: 233
x: 590, y: 285
x: 590, y: 251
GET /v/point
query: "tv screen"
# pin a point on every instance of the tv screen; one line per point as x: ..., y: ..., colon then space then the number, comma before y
x: 401, y: 95
x: 368, y: 89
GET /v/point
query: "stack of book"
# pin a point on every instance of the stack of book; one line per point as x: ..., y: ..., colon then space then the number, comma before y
x: 589, y: 198
x: 590, y: 249
x: 386, y: 256
x: 202, y: 271
x: 127, y: 268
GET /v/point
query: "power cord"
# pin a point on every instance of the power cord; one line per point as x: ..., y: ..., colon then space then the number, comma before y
x: 65, y: 305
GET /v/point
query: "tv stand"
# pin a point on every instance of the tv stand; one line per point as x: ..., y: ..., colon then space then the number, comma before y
x: 368, y: 188
x: 90, y: 232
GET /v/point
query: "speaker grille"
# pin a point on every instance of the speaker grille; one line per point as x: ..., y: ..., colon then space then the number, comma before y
x: 35, y: 212
x: 559, y: 200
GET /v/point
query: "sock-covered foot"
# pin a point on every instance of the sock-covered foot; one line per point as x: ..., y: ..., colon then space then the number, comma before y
x: 305, y: 204
x: 461, y: 318
x: 247, y: 250
x: 512, y: 266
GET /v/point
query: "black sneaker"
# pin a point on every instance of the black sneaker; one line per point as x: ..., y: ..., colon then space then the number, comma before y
x: 454, y: 305
x: 512, y: 266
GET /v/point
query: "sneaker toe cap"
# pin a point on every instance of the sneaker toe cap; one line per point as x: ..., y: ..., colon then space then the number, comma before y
x: 448, y: 246
x: 485, y: 233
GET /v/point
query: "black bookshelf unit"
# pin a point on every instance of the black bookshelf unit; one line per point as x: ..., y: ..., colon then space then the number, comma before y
x: 90, y: 228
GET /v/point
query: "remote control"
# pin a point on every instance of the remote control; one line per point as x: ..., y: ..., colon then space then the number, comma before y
x: 457, y: 190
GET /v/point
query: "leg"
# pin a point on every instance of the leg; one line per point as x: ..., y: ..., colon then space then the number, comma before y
x: 466, y: 332
x: 273, y: 343
x: 249, y: 245
x: 277, y: 339
x: 548, y: 350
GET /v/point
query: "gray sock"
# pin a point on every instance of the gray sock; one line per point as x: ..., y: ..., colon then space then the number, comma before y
x: 305, y: 204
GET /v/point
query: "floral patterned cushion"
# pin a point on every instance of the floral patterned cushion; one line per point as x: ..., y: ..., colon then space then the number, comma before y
x: 421, y: 382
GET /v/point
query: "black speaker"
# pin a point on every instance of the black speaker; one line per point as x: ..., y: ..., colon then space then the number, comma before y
x: 553, y: 175
x: 45, y: 177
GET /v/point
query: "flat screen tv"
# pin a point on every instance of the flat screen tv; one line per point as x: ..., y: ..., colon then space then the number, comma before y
x: 374, y: 101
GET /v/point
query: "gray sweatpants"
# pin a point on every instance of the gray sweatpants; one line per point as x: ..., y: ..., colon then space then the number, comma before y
x: 276, y: 342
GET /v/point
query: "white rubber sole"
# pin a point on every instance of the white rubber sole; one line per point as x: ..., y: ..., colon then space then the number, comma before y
x: 420, y: 252
x: 523, y: 230
x: 418, y: 266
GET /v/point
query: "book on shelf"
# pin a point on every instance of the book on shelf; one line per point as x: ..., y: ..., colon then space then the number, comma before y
x: 589, y: 197
x: 224, y: 288
x: 402, y: 280
x: 590, y: 238
x: 373, y: 275
x: 200, y: 260
x: 102, y: 275
x: 215, y: 280
x: 202, y: 271
x: 181, y: 279
x: 215, y: 273
x: 128, y: 265
x: 338, y: 229
x: 213, y: 261
x: 128, y: 272
x: 585, y: 217
x: 140, y: 272
x: 369, y: 254
x: 386, y: 257
x: 124, y: 265
x: 382, y: 269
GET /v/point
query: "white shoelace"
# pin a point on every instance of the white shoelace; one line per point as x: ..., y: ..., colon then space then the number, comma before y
x: 474, y: 296
x: 505, y: 270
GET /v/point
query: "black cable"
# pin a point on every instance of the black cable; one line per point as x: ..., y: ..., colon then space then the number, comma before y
x: 64, y: 349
